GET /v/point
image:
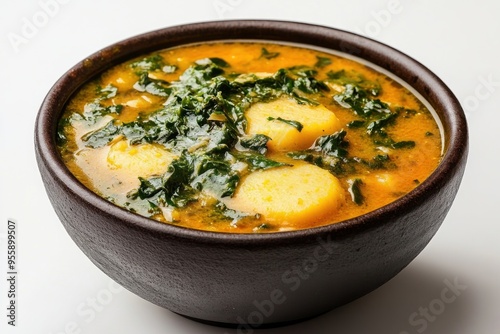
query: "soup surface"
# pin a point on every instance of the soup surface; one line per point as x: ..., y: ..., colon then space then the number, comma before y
x: 248, y: 137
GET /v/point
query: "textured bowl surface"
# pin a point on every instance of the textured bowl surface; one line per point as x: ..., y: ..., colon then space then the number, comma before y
x: 248, y: 280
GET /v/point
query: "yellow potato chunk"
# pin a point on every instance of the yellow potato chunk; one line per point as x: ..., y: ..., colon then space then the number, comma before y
x: 300, y: 193
x: 139, y: 160
x: 317, y: 121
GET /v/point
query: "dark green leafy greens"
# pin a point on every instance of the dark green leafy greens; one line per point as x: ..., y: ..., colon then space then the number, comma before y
x: 152, y: 86
x: 256, y: 143
x: 98, y: 108
x: 292, y: 123
x: 322, y: 61
x: 376, y: 116
x: 355, y: 190
x: 93, y: 112
x: 328, y: 152
x: 344, y: 78
x: 204, y: 144
x: 102, y: 136
x: 258, y: 161
x: 202, y: 121
x: 268, y: 55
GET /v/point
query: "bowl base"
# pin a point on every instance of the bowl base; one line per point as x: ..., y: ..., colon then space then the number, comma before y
x: 248, y: 327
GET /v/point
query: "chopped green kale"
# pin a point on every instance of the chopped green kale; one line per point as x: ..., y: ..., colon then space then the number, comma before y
x: 258, y: 161
x: 152, y: 86
x: 377, y: 115
x: 295, y: 124
x: 103, y: 136
x: 322, y: 62
x: 355, y: 191
x: 256, y: 143
x: 328, y: 152
x: 213, y: 154
x: 147, y: 64
x: 268, y: 55
x: 344, y: 78
x: 334, y: 144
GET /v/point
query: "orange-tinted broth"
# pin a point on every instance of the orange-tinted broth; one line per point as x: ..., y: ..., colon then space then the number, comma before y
x: 413, y: 165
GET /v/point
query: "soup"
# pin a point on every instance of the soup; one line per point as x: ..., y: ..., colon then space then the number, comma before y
x: 248, y: 137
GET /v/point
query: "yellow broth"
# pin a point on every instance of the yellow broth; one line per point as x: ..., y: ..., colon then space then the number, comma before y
x: 379, y: 165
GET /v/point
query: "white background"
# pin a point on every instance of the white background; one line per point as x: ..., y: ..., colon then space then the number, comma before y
x: 60, y: 291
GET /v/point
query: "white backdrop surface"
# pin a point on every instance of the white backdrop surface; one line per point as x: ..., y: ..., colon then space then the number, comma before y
x: 61, y: 291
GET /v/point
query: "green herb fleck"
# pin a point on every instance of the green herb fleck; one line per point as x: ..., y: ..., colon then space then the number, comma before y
x: 295, y: 124
x: 334, y: 144
x: 356, y: 124
x: 152, y: 86
x: 151, y: 63
x: 107, y: 92
x: 102, y: 136
x: 355, y: 190
x: 328, y: 152
x: 322, y: 62
x: 219, y: 62
x: 403, y: 144
x: 256, y: 143
x: 344, y: 78
x: 258, y: 161
x: 268, y: 55
x: 378, y: 125
x: 380, y: 161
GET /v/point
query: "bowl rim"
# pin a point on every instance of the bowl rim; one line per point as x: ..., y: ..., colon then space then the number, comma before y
x: 378, y: 53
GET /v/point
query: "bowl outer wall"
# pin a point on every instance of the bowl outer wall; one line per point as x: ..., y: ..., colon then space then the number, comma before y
x: 261, y: 279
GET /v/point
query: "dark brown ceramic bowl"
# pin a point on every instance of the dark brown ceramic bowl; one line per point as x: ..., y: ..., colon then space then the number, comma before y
x: 251, y: 280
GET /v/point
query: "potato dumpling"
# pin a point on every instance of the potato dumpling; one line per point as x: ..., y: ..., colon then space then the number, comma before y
x: 316, y: 121
x: 139, y: 160
x: 300, y: 193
